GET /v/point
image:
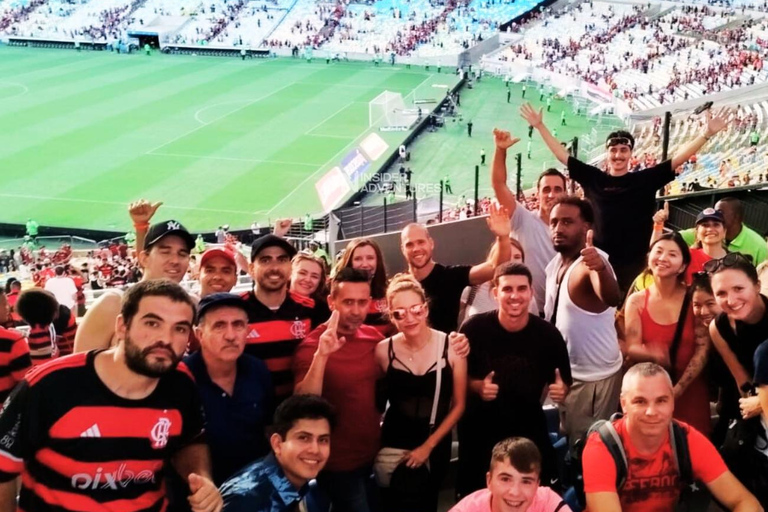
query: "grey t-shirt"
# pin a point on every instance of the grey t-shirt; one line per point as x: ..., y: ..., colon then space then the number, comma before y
x: 534, y: 236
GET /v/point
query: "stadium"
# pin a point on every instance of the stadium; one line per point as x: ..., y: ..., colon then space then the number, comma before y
x: 324, y: 122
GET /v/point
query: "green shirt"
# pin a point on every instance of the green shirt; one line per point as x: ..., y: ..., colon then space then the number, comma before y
x: 754, y: 137
x: 748, y: 242
x: 32, y: 228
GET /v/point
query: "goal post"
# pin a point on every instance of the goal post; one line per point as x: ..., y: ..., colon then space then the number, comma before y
x: 388, y: 112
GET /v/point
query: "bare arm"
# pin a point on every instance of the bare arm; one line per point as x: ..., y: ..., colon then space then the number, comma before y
x: 714, y: 125
x: 498, y: 223
x: 730, y: 492
x: 97, y: 329
x: 8, y: 496
x: 458, y: 402
x: 697, y: 362
x: 313, y: 380
x: 606, y: 287
x: 195, y: 458
x: 740, y: 375
x: 536, y: 119
x: 504, y: 195
x: 603, y: 502
x: 762, y: 394
x: 633, y: 330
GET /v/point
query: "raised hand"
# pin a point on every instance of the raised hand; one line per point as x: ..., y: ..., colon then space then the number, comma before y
x: 141, y: 211
x: 459, y: 343
x: 592, y: 258
x: 532, y: 116
x: 282, y: 226
x: 330, y: 341
x: 503, y: 139
x: 489, y: 391
x: 716, y: 122
x: 662, y: 216
x: 558, y: 389
x: 498, y: 220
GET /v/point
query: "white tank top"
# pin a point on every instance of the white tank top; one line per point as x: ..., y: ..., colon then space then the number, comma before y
x: 593, y: 345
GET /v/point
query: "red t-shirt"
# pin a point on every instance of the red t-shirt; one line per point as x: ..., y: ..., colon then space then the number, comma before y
x: 698, y: 259
x: 652, y: 480
x: 349, y: 384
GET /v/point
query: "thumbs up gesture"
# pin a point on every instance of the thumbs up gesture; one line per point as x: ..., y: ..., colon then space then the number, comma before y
x: 592, y: 258
x: 489, y: 391
x: 205, y: 496
x: 662, y: 216
x: 329, y: 341
x: 558, y: 389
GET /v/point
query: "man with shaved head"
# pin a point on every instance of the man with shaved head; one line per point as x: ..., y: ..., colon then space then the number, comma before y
x: 652, y: 480
x: 444, y: 284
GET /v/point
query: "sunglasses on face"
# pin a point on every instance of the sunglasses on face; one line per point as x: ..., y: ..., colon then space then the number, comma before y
x: 730, y: 260
x: 416, y: 310
x: 618, y: 141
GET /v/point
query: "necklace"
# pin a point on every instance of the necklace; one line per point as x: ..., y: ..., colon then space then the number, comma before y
x: 416, y: 351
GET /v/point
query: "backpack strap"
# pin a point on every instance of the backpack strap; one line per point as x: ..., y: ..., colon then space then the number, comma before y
x: 679, y: 439
x: 612, y: 442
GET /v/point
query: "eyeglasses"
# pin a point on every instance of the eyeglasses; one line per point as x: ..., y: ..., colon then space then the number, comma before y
x: 416, y: 310
x: 616, y: 141
x: 730, y: 260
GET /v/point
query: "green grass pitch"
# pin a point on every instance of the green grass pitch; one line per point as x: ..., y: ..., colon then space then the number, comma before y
x: 217, y: 140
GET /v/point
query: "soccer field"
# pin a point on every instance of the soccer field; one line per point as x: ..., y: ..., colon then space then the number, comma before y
x: 219, y: 141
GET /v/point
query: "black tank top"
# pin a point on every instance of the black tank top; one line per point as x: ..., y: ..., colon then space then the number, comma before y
x: 406, y: 423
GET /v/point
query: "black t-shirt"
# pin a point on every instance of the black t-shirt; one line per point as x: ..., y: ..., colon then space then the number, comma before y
x: 524, y: 363
x: 443, y: 287
x: 624, y: 208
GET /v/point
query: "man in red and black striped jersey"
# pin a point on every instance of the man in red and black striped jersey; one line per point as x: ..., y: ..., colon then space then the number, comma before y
x: 92, y: 432
x: 14, y: 352
x: 38, y: 308
x: 278, y: 320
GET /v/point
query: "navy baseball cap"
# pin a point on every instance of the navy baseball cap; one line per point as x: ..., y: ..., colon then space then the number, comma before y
x: 710, y: 214
x: 216, y: 300
x: 271, y: 241
x: 165, y: 228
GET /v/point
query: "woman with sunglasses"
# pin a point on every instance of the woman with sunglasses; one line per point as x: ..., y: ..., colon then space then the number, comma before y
x: 411, y: 361
x: 308, y: 281
x: 737, y: 332
x: 365, y: 254
x: 660, y: 328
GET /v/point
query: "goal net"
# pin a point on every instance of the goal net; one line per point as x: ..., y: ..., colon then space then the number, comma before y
x: 388, y: 112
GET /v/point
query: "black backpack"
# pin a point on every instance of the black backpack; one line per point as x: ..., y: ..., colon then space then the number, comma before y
x: 694, y: 495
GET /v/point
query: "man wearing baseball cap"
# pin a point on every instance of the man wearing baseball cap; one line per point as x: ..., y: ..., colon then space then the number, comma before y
x: 235, y: 388
x: 218, y: 271
x: 165, y: 255
x: 277, y: 319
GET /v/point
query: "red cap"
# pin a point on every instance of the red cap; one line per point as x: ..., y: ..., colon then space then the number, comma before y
x: 218, y: 251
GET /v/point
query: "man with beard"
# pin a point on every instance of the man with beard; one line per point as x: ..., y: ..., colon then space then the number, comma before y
x: 95, y: 429
x: 165, y: 254
x: 277, y: 319
x: 625, y: 201
x: 582, y: 295
x: 444, y: 285
x: 514, y: 357
x: 530, y: 228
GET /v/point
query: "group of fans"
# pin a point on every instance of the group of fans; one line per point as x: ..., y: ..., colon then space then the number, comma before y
x: 344, y: 392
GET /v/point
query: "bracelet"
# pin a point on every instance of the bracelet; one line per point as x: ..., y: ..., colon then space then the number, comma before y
x: 705, y: 136
x: 141, y: 226
x: 658, y: 228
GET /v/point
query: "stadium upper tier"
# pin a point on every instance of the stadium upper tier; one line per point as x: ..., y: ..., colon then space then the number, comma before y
x: 379, y: 27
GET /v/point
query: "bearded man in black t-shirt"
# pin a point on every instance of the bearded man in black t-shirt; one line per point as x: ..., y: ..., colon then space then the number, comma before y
x: 624, y: 202
x: 443, y: 285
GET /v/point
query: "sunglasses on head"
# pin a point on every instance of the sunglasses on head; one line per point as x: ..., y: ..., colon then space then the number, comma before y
x: 730, y: 260
x: 618, y: 141
x: 416, y: 310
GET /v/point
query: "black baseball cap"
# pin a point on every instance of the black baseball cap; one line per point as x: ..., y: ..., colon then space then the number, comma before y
x: 271, y: 241
x: 165, y: 228
x: 216, y: 300
x: 710, y: 214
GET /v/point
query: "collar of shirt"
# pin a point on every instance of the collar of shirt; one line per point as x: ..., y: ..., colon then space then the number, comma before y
x: 285, y: 489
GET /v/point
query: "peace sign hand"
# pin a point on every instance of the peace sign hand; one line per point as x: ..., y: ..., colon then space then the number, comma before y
x: 330, y: 342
